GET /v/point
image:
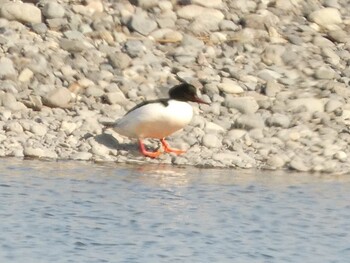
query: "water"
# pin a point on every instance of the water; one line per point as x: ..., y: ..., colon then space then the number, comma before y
x: 83, y: 212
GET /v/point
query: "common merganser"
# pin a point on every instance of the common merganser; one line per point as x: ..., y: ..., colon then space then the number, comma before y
x: 159, y: 118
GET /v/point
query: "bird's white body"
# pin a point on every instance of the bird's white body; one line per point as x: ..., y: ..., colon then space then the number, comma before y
x: 155, y: 120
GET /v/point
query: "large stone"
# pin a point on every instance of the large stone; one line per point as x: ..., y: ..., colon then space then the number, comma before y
x: 7, y: 70
x: 142, y: 24
x: 243, y: 104
x: 53, y: 10
x: 310, y: 104
x: 191, y: 12
x: 22, y: 12
x: 59, y: 97
x: 230, y: 86
x: 208, y: 3
x: 326, y: 16
x: 211, y: 141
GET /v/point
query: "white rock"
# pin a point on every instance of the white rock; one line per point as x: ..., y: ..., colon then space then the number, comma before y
x: 230, y: 86
x: 190, y: 12
x: 311, y: 104
x: 68, y: 127
x: 326, y: 17
x: 208, y: 3
x: 25, y: 75
x: 22, y: 12
x: 81, y: 156
x: 59, y: 97
x: 245, y: 105
x: 236, y: 134
x: 211, y: 141
x: 213, y: 127
x: 7, y: 69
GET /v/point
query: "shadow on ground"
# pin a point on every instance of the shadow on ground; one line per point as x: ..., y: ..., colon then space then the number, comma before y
x: 109, y: 141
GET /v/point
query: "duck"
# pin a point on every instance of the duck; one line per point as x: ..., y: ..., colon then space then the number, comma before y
x: 157, y: 119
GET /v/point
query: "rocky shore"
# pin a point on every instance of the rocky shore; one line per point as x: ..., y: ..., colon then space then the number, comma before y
x: 276, y: 74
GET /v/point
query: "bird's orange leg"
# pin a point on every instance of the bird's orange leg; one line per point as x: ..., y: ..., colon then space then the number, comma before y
x: 168, y: 149
x: 147, y: 153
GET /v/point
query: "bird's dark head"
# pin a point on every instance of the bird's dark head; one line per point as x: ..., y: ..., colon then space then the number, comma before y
x: 185, y: 92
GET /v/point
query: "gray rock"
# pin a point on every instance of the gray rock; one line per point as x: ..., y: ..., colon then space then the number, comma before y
x: 134, y: 48
x: 38, y: 129
x: 324, y: 72
x: 339, y: 36
x: 211, y: 141
x: 22, y: 12
x: 299, y: 164
x: 38, y: 152
x: 145, y: 4
x: 249, y: 121
x: 9, y: 101
x: 57, y: 23
x: 142, y: 24
x: 7, y: 69
x: 275, y: 161
x: 53, y: 10
x: 279, y: 120
x: 119, y: 60
x: 39, y: 28
x: 81, y: 156
x: 116, y: 97
x: 72, y: 45
x: 272, y: 88
x: 245, y: 105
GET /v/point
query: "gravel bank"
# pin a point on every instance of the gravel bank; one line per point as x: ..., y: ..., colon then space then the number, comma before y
x: 276, y: 73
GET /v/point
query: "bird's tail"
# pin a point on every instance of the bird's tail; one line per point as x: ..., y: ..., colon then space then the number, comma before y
x: 108, y: 124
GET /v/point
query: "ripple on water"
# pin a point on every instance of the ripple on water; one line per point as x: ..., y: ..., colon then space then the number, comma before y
x: 83, y: 212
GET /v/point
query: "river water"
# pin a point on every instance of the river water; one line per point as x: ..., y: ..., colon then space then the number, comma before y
x: 85, y: 212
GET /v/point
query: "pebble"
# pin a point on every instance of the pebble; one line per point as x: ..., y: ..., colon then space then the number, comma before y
x: 59, y: 97
x: 246, y: 105
x: 326, y: 16
x: 230, y: 86
x: 53, y: 10
x: 211, y: 141
x: 275, y: 161
x: 22, y: 12
x: 142, y: 24
x: 7, y: 69
x: 25, y: 75
x: 299, y: 165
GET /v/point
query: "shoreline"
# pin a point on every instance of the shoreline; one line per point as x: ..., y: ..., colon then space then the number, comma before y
x: 276, y: 75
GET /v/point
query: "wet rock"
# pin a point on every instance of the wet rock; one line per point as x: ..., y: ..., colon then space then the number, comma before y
x: 81, y: 156
x: 275, y: 161
x: 299, y: 165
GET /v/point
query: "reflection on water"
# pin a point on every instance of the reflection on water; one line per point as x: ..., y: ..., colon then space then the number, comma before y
x: 84, y: 212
